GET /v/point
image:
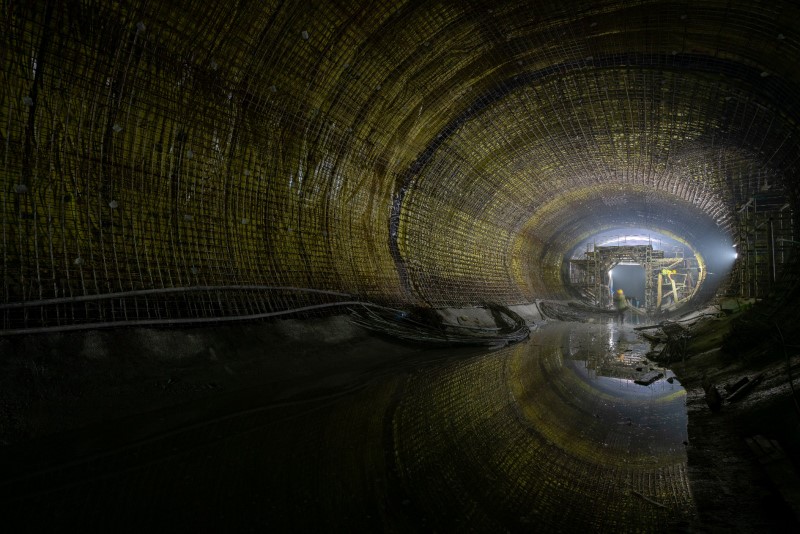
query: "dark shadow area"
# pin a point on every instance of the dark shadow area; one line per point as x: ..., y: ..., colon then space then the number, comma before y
x: 319, y: 426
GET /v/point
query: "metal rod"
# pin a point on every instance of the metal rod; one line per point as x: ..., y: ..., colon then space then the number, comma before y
x: 162, y: 290
x: 772, y: 248
x: 191, y: 320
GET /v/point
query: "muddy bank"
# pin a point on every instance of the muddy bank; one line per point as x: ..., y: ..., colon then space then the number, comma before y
x: 731, y: 485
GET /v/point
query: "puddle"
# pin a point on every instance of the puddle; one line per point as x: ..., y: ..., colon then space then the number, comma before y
x: 593, y: 369
x: 553, y: 432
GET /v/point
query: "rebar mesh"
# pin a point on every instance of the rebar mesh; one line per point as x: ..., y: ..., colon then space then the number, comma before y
x: 445, y: 153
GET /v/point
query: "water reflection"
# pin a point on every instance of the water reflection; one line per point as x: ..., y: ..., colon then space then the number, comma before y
x: 552, y: 433
x: 598, y: 365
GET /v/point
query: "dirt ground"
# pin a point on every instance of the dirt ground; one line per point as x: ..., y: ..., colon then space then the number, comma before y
x: 731, y: 488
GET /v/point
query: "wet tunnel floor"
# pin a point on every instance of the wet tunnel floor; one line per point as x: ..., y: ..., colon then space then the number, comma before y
x: 549, y: 434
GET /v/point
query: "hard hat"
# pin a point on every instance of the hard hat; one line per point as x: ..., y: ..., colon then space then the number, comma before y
x: 619, y: 291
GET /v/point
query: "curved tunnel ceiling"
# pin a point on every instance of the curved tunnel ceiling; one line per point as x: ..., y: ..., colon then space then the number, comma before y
x: 446, y: 153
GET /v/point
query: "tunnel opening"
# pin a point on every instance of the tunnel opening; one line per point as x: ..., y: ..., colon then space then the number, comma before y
x: 630, y: 278
x: 663, y: 273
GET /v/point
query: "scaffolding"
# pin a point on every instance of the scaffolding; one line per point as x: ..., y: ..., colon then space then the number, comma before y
x: 670, y: 279
x: 765, y: 243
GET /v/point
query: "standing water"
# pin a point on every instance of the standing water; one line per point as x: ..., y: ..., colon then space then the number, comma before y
x: 553, y: 433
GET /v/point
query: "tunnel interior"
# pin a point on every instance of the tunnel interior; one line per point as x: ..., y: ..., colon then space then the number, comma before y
x: 630, y: 279
x: 434, y: 155
x: 183, y: 164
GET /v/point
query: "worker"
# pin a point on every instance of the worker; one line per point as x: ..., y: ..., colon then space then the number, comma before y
x: 620, y: 304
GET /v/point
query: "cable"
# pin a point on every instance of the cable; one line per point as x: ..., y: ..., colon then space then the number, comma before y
x: 403, y: 327
x: 163, y: 290
x: 193, y: 320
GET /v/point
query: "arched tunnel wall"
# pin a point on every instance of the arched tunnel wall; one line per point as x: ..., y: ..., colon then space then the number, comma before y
x: 193, y: 161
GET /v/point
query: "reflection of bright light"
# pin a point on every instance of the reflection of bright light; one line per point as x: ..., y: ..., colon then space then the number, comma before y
x: 735, y: 255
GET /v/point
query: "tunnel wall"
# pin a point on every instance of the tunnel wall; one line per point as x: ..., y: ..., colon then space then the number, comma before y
x: 138, y: 157
x: 168, y: 160
x: 178, y: 161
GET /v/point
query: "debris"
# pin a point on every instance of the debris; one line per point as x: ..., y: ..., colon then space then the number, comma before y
x: 713, y: 398
x: 648, y: 378
x: 671, y: 328
x: 745, y: 388
x: 729, y: 306
x: 656, y: 351
x: 647, y: 327
x: 730, y: 388
x: 653, y: 338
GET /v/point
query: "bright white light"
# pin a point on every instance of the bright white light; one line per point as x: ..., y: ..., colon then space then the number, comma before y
x: 735, y: 255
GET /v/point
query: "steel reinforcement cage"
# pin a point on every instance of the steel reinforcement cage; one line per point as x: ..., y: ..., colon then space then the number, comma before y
x: 186, y: 161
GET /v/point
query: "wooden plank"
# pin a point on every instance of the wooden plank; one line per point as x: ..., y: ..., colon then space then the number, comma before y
x: 745, y: 388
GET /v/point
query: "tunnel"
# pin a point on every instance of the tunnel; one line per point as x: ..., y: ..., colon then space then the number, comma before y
x: 325, y: 265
